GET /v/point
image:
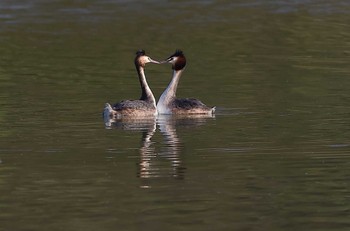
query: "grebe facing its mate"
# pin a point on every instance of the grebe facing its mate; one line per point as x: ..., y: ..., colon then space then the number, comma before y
x: 146, y: 105
x: 168, y: 103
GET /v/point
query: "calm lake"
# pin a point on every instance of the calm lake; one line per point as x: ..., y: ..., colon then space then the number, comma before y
x: 276, y: 156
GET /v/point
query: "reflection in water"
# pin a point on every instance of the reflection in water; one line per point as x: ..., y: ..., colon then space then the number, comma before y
x: 168, y: 162
x: 164, y: 162
x: 131, y: 124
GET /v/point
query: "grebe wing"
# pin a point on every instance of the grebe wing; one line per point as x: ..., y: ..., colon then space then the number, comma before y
x: 188, y: 103
x: 132, y: 104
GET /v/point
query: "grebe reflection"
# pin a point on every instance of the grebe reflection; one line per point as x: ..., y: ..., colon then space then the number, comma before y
x: 159, y: 159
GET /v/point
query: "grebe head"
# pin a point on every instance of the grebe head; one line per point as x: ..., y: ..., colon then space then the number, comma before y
x: 141, y: 59
x: 177, y: 60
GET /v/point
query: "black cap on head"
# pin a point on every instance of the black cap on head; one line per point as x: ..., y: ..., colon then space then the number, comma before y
x: 140, y: 52
x: 177, y: 54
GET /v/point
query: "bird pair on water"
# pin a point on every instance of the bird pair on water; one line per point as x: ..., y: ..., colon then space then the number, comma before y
x: 168, y: 103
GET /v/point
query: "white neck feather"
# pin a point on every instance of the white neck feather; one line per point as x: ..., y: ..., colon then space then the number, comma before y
x: 163, y: 105
x: 146, y: 90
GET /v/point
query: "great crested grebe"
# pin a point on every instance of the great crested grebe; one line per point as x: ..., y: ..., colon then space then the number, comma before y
x: 168, y: 103
x: 146, y: 105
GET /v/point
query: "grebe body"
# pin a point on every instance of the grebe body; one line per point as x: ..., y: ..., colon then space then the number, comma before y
x: 168, y: 103
x: 146, y: 105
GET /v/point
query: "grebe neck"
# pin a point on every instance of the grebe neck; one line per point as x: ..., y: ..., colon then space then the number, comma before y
x: 169, y: 94
x: 146, y: 94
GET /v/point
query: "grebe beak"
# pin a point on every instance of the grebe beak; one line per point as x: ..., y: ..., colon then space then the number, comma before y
x: 164, y: 61
x: 154, y: 61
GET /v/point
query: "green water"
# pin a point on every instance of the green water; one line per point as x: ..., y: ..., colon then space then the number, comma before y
x: 275, y: 157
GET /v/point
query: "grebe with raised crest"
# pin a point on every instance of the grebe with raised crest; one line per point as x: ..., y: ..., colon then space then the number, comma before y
x: 168, y: 103
x: 146, y: 105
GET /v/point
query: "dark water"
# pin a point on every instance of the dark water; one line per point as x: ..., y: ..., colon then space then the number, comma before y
x: 275, y: 157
